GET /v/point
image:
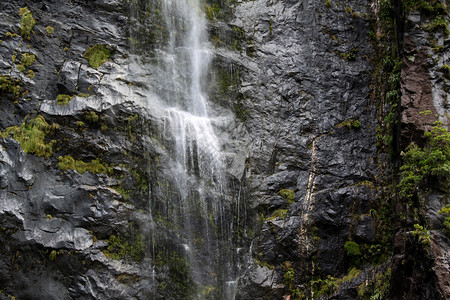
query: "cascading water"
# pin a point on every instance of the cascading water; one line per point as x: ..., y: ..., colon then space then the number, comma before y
x: 197, y: 205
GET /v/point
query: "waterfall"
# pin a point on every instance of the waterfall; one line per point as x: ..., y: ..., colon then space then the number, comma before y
x: 196, y: 204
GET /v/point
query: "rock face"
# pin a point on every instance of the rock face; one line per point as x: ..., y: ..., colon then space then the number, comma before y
x: 297, y: 102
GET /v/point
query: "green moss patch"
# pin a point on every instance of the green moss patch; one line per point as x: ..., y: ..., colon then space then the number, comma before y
x: 63, y: 99
x: 10, y: 85
x: 49, y: 29
x: 31, y: 136
x: 27, y: 22
x: 289, y: 195
x: 94, y: 166
x: 97, y: 55
x: 279, y: 213
x: 26, y: 61
x: 350, y: 123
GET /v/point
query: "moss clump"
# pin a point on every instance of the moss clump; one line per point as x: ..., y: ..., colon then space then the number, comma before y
x: 49, y: 29
x: 350, y: 55
x: 63, y: 99
x: 91, y: 117
x: 27, y: 22
x: 119, y: 248
x: 97, y: 55
x: 352, y: 248
x: 94, y: 166
x: 27, y: 60
x: 31, y: 136
x: 328, y: 4
x: 289, y: 195
x: 10, y: 85
x: 279, y: 213
x: 350, y: 123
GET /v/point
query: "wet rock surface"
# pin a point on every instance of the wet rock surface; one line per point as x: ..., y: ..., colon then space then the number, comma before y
x: 290, y: 87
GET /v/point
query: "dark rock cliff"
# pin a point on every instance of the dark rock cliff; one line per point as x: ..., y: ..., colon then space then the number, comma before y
x: 313, y: 149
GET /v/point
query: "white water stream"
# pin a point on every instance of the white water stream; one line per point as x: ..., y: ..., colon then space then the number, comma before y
x: 197, y: 167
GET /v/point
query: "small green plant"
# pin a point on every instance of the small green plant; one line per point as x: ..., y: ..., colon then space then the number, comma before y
x: 94, y: 166
x: 289, y: 195
x: 49, y: 29
x: 289, y: 277
x: 388, y: 63
x: 430, y: 163
x: 52, y: 255
x: 393, y: 96
x: 27, y: 60
x: 97, y: 55
x: 125, y: 193
x: 63, y: 99
x: 31, y: 136
x: 394, y: 80
x: 446, y: 212
x: 348, y: 10
x: 328, y: 4
x: 27, y: 22
x: 422, y: 234
x: 119, y: 248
